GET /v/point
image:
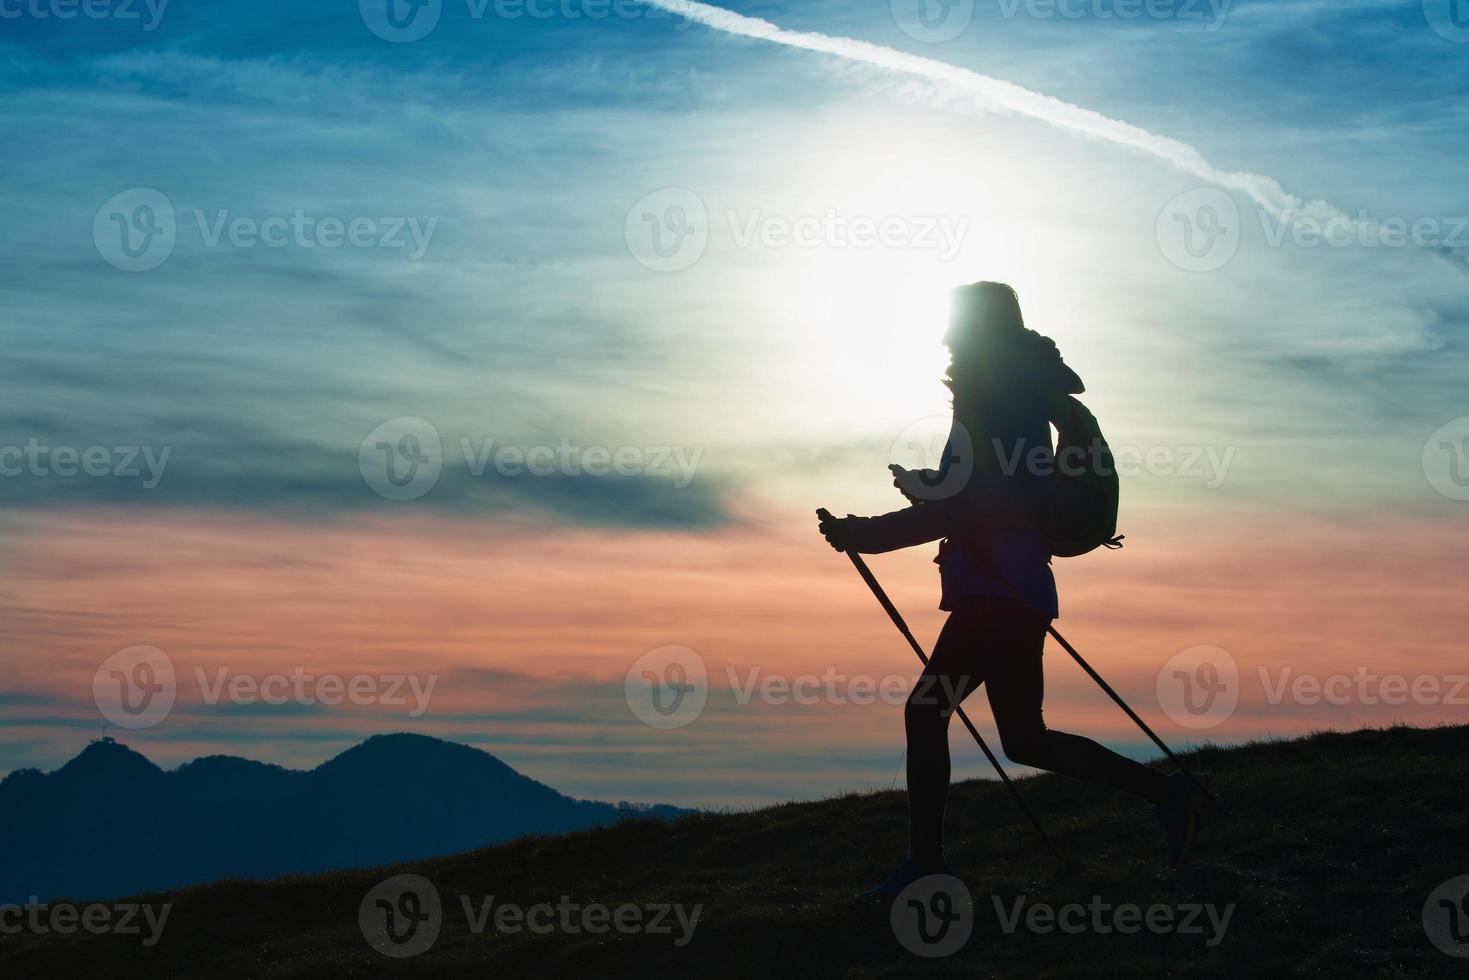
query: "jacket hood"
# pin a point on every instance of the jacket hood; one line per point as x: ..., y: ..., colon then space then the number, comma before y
x: 1024, y: 363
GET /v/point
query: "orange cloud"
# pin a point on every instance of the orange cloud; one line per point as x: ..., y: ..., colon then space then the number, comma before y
x: 530, y: 632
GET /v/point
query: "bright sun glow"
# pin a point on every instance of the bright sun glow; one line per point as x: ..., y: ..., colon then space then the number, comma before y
x: 860, y: 327
x: 870, y: 335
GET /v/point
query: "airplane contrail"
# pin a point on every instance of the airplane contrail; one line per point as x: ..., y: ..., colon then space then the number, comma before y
x: 1265, y: 191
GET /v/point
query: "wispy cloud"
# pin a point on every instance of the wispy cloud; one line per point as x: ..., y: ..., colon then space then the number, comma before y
x: 998, y: 93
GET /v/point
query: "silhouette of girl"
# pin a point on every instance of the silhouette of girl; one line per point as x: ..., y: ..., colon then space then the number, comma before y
x: 986, y: 501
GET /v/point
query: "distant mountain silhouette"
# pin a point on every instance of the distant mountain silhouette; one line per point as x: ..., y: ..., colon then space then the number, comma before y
x: 111, y: 823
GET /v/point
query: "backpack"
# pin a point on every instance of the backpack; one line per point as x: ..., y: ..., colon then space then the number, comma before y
x: 1081, y: 513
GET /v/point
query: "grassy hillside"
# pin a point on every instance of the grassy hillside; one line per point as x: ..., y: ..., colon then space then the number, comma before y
x: 1336, y: 842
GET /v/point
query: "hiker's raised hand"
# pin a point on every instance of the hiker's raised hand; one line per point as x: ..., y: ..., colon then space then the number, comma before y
x: 832, y: 528
x: 911, y: 483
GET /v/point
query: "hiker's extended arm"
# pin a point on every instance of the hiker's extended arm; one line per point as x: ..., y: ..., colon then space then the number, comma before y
x: 904, y: 528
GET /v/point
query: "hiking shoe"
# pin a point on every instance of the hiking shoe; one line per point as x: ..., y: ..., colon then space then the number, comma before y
x: 1180, y: 819
x: 907, y: 872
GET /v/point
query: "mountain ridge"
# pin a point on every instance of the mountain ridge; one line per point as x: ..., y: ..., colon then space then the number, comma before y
x: 392, y: 797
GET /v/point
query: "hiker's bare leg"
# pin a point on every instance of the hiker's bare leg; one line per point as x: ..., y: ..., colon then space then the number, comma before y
x: 1016, y: 685
x: 952, y: 674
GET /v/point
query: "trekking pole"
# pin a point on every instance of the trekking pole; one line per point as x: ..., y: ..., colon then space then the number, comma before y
x: 897, y: 618
x: 1134, y: 716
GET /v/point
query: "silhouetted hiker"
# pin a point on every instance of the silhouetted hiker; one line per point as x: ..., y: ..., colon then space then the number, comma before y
x: 987, y: 500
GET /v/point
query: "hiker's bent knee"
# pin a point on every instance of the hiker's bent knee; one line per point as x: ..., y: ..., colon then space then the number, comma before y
x: 1024, y: 748
x: 923, y: 711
